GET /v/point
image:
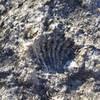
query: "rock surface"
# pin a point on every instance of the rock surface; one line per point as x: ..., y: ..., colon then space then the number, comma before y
x: 49, y: 49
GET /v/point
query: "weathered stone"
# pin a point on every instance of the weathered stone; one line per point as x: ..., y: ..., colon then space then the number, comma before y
x: 49, y: 49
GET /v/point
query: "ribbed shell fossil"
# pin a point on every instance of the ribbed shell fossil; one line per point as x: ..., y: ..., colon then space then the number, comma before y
x: 53, y: 51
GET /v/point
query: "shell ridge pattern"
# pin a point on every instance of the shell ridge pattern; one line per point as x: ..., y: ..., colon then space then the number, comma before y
x: 53, y: 51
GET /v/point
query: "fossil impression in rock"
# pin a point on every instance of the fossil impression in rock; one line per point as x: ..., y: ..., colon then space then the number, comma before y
x: 52, y: 52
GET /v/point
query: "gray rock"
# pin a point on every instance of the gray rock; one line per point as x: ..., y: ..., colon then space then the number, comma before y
x: 39, y: 37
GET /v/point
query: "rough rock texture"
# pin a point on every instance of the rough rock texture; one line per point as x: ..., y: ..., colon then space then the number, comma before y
x: 49, y: 49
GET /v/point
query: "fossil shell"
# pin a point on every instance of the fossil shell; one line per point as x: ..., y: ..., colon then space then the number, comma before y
x: 53, y: 51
